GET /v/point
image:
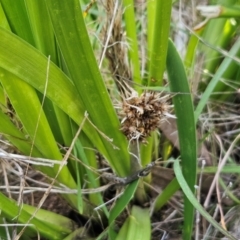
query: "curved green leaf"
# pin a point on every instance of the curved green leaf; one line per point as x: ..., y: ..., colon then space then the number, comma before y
x: 137, y: 226
x: 22, y: 60
x: 186, y: 128
x: 216, y: 78
x: 131, y: 31
x: 17, y: 18
x: 10, y: 210
x: 122, y: 201
x: 160, y: 42
x: 188, y: 192
x: 74, y: 43
x: 166, y: 194
x: 28, y: 108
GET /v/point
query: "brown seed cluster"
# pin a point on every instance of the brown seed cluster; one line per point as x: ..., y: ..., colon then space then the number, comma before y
x: 143, y: 114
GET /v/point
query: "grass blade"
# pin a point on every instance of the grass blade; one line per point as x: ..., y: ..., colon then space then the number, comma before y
x: 160, y: 42
x: 166, y: 194
x: 84, y: 71
x: 17, y: 18
x: 137, y: 225
x: 122, y: 201
x: 188, y: 192
x: 10, y: 210
x: 131, y: 31
x: 28, y: 64
x: 217, y: 77
x: 186, y: 129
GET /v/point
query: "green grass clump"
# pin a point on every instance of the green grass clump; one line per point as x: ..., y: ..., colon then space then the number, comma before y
x: 74, y: 78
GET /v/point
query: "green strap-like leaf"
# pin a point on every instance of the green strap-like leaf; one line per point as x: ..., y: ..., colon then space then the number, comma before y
x: 28, y: 108
x: 17, y: 17
x: 137, y: 226
x: 188, y: 192
x: 186, y: 128
x: 217, y: 77
x: 160, y: 42
x: 131, y: 31
x: 10, y: 210
x: 21, y: 59
x: 122, y: 201
x: 166, y: 194
x: 74, y: 43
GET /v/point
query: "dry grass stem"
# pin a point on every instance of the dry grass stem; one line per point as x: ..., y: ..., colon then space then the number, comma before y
x: 116, y: 46
x: 216, y: 176
x: 28, y: 160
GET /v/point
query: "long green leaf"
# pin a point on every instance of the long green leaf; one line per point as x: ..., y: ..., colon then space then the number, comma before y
x: 122, y: 201
x: 137, y: 226
x: 90, y: 174
x: 131, y: 31
x: 28, y: 108
x: 186, y: 129
x: 216, y: 78
x: 160, y: 42
x: 28, y: 64
x: 52, y: 220
x: 188, y: 192
x: 218, y: 33
x: 10, y: 210
x: 42, y: 29
x: 70, y: 30
x: 16, y: 137
x: 45, y: 41
x: 166, y: 194
x: 18, y: 19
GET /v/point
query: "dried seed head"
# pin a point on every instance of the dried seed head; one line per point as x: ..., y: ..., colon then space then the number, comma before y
x: 142, y: 114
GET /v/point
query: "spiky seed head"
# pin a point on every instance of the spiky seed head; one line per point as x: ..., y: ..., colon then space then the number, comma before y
x: 142, y: 114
